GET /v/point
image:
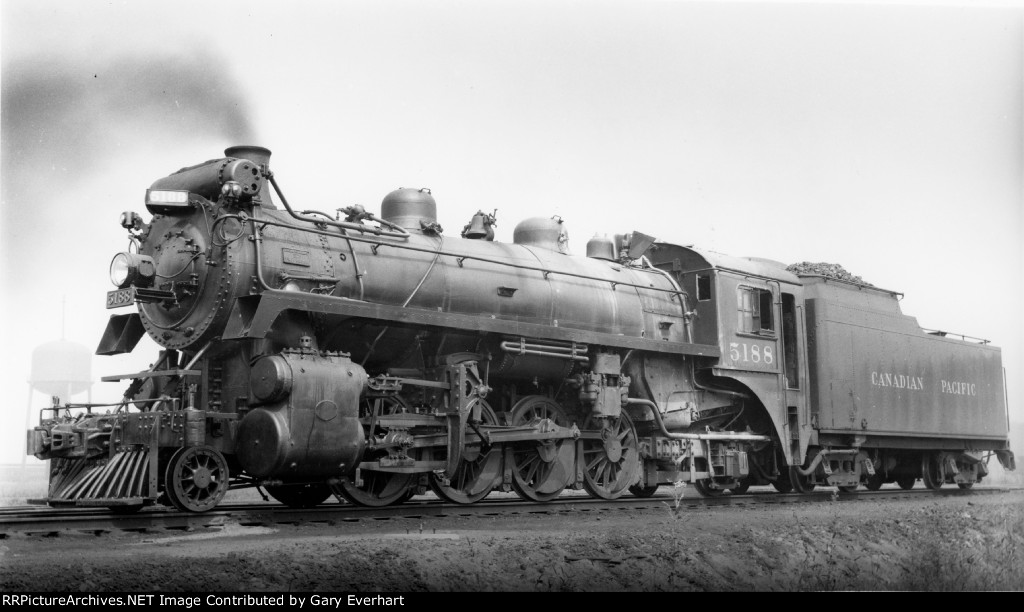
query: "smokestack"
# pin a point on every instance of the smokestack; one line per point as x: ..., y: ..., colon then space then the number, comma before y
x: 261, y: 157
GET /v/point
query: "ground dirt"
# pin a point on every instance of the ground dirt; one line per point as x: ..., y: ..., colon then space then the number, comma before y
x: 962, y: 542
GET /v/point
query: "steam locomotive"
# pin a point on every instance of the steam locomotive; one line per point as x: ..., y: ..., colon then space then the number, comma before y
x: 374, y: 357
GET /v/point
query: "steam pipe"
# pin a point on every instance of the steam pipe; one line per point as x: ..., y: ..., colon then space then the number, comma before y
x: 722, y: 436
x: 256, y: 239
x: 394, y: 232
x: 693, y: 379
x: 516, y: 348
x: 355, y: 264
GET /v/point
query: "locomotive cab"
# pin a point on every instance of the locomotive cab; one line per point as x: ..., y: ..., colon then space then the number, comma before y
x: 753, y: 310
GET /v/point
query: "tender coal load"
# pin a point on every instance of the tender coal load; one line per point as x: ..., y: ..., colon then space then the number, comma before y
x: 828, y: 270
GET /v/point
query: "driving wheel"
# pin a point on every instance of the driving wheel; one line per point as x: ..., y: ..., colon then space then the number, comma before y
x: 541, y: 470
x: 300, y: 495
x: 641, y: 491
x: 610, y: 464
x: 375, y: 488
x: 479, y: 470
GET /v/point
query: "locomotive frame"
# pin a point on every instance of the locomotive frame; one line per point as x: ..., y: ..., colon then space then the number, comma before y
x: 474, y: 365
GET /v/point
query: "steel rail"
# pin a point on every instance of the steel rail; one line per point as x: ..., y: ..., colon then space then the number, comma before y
x: 54, y: 521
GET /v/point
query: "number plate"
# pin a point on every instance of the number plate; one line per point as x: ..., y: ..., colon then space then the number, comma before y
x: 121, y: 297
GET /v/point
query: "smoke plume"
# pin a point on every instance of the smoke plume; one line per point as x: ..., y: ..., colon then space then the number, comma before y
x: 63, y: 119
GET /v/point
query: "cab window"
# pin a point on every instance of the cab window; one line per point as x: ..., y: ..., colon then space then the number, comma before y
x: 755, y: 311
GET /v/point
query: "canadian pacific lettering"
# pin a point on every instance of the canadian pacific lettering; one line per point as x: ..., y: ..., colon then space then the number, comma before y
x: 899, y: 381
x: 916, y: 383
x: 955, y: 387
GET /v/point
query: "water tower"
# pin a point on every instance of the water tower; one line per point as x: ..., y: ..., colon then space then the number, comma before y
x: 60, y: 368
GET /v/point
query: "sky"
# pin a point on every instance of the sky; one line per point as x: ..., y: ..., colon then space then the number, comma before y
x: 886, y: 137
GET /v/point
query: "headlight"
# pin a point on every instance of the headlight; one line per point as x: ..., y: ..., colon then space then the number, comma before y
x: 132, y: 269
x: 119, y: 270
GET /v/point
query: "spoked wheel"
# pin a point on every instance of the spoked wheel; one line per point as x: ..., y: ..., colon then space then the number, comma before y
x: 381, y: 405
x: 610, y: 464
x: 906, y: 482
x: 196, y: 479
x: 479, y: 470
x: 300, y: 495
x: 377, y: 489
x: 640, y: 491
x: 540, y: 470
x: 801, y: 483
x: 874, y: 483
x: 932, y: 472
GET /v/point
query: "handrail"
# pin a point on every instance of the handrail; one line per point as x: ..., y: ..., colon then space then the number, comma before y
x: 965, y: 338
x: 459, y: 256
x: 394, y: 232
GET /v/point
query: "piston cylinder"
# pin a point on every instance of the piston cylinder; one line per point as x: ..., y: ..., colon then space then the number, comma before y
x: 308, y: 424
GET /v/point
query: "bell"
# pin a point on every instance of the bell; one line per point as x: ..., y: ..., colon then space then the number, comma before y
x: 478, y: 228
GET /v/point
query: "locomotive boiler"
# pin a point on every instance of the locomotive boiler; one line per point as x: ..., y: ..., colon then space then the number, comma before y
x: 311, y: 353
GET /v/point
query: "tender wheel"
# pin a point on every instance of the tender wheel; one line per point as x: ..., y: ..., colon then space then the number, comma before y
x: 610, y: 464
x: 639, y: 491
x: 906, y: 482
x: 478, y: 473
x: 874, y: 483
x: 801, y: 483
x: 196, y: 479
x: 540, y: 470
x: 377, y: 489
x: 300, y: 495
x: 932, y: 472
x: 704, y: 488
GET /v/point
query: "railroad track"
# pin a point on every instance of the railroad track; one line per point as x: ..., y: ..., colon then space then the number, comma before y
x: 42, y: 521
